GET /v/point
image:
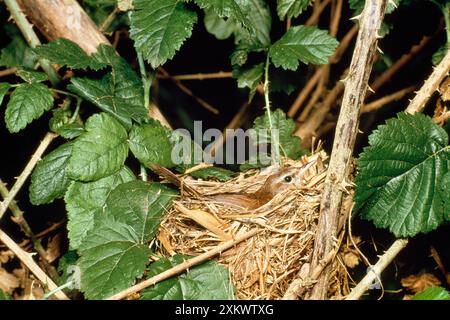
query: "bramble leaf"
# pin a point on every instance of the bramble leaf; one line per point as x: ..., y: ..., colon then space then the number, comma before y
x: 4, y: 87
x: 217, y: 173
x: 67, y: 53
x: 401, y: 174
x: 208, y: 281
x: 49, y: 180
x: 250, y: 77
x: 305, y: 44
x: 140, y: 205
x: 290, y: 145
x: 112, y: 257
x: 85, y: 200
x: 100, y: 151
x: 291, y: 8
x: 159, y: 28
x: 114, y: 252
x: 27, y: 103
x: 150, y: 143
x: 432, y: 293
x: 31, y: 76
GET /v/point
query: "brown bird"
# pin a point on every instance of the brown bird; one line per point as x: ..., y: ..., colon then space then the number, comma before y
x: 283, y: 179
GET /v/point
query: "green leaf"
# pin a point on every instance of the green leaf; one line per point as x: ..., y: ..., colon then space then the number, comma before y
x: 151, y: 143
x: 250, y: 77
x: 208, y: 281
x: 258, y: 13
x: 291, y: 8
x: 84, y: 201
x: 216, y: 173
x: 227, y: 9
x: 70, y: 130
x: 67, y: 53
x: 112, y: 257
x: 432, y: 293
x: 17, y: 54
x: 119, y: 93
x: 159, y: 28
x: 4, y: 296
x: 100, y: 151
x: 4, y: 87
x: 140, y: 205
x: 217, y: 26
x: 27, y: 103
x: 49, y: 180
x: 290, y: 145
x: 307, y: 44
x: 31, y: 76
x: 440, y: 54
x: 60, y: 123
x: 67, y: 265
x: 400, y: 174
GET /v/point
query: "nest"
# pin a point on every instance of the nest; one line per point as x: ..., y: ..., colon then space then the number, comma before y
x: 263, y: 266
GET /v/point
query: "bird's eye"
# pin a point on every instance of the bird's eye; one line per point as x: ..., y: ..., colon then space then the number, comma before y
x: 288, y: 178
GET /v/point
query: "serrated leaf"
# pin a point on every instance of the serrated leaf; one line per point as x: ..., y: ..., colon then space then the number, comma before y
x: 100, y: 151
x: 17, y: 54
x: 70, y: 130
x: 250, y: 77
x: 112, y: 257
x: 208, y: 281
x: 216, y: 173
x: 432, y: 293
x: 400, y: 173
x: 67, y: 53
x: 4, y: 87
x: 258, y: 13
x: 290, y: 145
x: 84, y: 201
x: 159, y: 28
x: 140, y: 205
x: 31, y: 76
x: 302, y: 43
x: 291, y: 8
x: 49, y: 180
x: 27, y: 103
x: 119, y: 93
x: 151, y: 143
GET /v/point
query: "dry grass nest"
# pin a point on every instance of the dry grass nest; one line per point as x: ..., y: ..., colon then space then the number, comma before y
x: 263, y: 266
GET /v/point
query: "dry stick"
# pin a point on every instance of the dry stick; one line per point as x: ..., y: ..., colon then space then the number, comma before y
x: 188, y: 91
x: 375, y: 271
x: 314, y: 121
x: 343, y: 45
x: 30, y: 36
x: 356, y: 85
x: 183, y: 266
x: 430, y: 85
x: 26, y: 258
x: 389, y: 73
x: 26, y: 172
x: 377, y: 104
x: 314, y: 19
x: 197, y: 76
x: 20, y: 220
x: 7, y: 72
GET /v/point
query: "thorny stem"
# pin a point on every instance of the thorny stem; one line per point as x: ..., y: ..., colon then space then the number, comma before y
x: 20, y: 220
x: 274, y: 138
x: 31, y: 37
x: 146, y: 80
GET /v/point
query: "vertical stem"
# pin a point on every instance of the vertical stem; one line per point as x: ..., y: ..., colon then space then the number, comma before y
x: 274, y: 138
x: 31, y: 37
x: 446, y: 13
x: 356, y: 85
x: 146, y: 81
